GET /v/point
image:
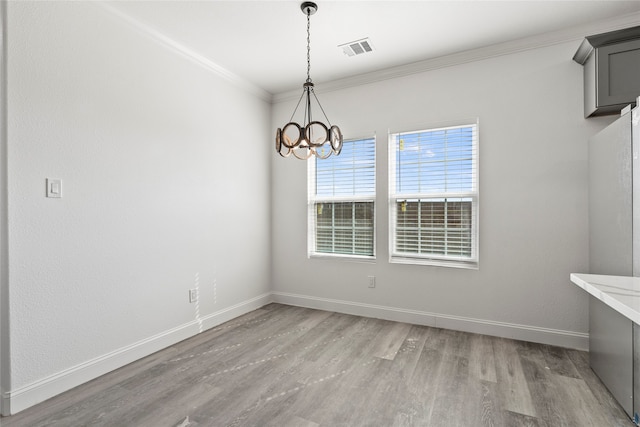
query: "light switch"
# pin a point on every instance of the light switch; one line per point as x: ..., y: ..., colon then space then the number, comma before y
x: 54, y: 188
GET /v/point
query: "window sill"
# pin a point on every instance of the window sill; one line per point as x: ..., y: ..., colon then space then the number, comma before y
x: 343, y: 257
x: 451, y: 263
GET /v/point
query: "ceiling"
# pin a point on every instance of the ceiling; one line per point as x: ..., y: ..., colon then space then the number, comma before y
x: 264, y: 42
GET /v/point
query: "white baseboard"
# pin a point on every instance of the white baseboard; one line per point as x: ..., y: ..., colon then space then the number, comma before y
x: 24, y: 397
x: 568, y: 339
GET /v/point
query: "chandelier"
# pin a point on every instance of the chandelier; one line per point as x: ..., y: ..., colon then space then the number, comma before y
x: 312, y: 138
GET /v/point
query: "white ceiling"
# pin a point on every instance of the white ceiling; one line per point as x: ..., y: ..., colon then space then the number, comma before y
x: 264, y: 42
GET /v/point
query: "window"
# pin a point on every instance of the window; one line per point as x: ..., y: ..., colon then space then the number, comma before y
x: 433, y: 196
x: 341, y: 207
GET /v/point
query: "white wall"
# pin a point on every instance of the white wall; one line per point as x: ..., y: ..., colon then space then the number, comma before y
x: 165, y: 188
x: 533, y: 201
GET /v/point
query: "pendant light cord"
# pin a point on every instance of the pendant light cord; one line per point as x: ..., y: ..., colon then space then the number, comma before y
x: 307, y: 110
x: 308, y: 46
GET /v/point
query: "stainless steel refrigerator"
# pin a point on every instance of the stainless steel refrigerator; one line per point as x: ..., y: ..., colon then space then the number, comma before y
x: 614, y: 249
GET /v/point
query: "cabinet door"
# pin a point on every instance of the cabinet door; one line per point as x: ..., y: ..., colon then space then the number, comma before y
x: 618, y: 73
x: 611, y: 351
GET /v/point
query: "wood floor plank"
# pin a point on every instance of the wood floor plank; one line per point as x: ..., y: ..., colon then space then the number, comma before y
x: 293, y: 366
x: 389, y: 339
x: 558, y: 361
x: 492, y: 414
x: 520, y: 420
x: 422, y: 384
x: 457, y: 343
x: 450, y: 393
x: 482, y: 360
x: 411, y: 350
x: 545, y: 393
x: 462, y: 399
x: 511, y: 380
x: 314, y: 318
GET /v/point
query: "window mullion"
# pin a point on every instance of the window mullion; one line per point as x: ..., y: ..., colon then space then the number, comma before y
x: 446, y: 227
x: 333, y: 228
x: 353, y: 227
x: 420, y: 228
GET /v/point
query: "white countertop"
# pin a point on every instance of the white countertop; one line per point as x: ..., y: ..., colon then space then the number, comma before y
x: 622, y: 293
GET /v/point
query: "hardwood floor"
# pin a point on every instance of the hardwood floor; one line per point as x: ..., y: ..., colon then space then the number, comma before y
x: 295, y: 367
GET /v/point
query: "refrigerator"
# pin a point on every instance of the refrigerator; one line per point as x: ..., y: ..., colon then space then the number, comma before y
x: 614, y: 249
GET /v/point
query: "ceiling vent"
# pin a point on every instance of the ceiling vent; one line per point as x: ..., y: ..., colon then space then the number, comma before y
x: 357, y: 47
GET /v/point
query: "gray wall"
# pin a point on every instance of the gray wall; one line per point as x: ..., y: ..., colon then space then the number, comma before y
x: 533, y: 201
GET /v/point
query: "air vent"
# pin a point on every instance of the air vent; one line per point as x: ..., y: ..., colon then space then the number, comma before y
x: 357, y: 47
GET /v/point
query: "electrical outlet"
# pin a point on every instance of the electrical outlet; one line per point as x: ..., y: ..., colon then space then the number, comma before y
x: 193, y: 295
x: 372, y: 281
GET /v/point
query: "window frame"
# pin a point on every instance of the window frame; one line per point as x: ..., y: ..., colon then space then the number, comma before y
x: 313, y: 199
x: 395, y: 256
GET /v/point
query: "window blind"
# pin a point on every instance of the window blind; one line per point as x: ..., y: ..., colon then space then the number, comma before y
x: 434, y: 195
x: 342, y: 201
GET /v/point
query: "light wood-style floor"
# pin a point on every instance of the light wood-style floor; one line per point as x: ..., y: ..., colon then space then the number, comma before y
x: 289, y: 366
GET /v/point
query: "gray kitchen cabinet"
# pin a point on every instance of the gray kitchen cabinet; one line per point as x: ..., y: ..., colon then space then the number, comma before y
x: 611, y: 67
x: 611, y: 351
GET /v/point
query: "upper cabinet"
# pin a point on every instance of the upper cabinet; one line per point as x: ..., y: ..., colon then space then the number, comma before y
x: 611, y: 64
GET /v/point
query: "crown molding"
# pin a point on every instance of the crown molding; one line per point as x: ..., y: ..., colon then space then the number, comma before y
x: 576, y: 33
x: 187, y: 53
x: 591, y: 42
x: 520, y: 45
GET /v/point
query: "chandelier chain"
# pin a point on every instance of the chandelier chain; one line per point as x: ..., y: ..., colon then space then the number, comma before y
x: 308, y: 46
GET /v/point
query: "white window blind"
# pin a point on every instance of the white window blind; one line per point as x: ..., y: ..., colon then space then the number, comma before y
x: 342, y: 201
x: 433, y: 196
